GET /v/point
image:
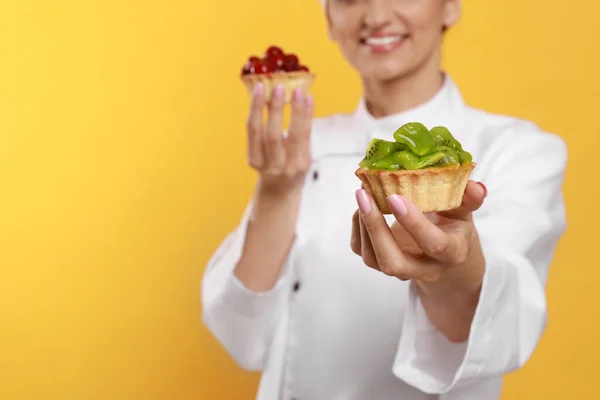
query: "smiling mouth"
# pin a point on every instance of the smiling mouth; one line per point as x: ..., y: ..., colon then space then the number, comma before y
x: 383, y: 44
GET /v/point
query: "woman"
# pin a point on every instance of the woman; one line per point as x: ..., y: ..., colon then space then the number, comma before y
x: 329, y: 299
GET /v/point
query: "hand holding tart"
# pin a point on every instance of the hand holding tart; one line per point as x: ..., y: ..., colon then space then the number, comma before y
x: 277, y: 67
x: 428, y: 167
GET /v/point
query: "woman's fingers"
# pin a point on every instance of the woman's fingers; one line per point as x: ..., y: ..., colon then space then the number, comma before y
x: 297, y: 144
x: 366, y: 248
x: 389, y: 258
x: 446, y: 247
x: 272, y: 136
x: 282, y: 161
x: 254, y: 128
x: 405, y: 241
x: 268, y: 150
x: 360, y: 243
x: 355, y: 244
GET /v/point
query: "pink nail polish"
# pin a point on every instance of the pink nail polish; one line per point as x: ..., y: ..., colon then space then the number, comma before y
x: 298, y: 95
x: 363, y: 200
x: 398, y: 205
x: 258, y: 89
x: 309, y: 100
x: 278, y: 92
x: 484, y: 189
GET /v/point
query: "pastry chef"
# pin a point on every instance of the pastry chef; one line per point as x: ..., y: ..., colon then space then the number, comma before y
x: 329, y: 298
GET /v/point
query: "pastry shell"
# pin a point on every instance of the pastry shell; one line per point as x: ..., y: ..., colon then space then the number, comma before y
x: 431, y: 189
x: 289, y: 80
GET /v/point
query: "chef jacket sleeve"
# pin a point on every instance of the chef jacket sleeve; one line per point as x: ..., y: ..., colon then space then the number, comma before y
x: 522, y: 219
x: 242, y: 320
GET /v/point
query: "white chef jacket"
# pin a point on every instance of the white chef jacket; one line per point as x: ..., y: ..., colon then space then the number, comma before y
x: 333, y: 329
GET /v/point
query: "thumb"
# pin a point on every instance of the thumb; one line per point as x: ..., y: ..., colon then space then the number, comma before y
x: 475, y: 193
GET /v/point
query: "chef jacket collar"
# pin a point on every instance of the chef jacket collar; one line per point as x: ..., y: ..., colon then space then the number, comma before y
x: 441, y: 109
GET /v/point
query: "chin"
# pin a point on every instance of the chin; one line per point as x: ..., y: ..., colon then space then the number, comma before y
x: 385, y: 72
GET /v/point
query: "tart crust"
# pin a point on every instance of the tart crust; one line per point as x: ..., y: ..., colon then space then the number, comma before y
x: 431, y: 189
x: 289, y: 80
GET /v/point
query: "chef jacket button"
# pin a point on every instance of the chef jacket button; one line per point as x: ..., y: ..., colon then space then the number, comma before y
x: 315, y: 175
x: 296, y: 286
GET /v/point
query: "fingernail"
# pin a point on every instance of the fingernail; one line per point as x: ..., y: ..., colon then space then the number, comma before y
x: 309, y: 100
x: 278, y: 92
x: 298, y: 95
x: 364, y: 203
x: 258, y: 89
x: 484, y: 189
x: 397, y: 204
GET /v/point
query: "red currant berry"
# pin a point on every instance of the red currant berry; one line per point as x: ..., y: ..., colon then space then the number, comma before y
x: 290, y: 62
x: 260, y: 67
x: 246, y: 69
x: 277, y: 62
x: 273, y: 51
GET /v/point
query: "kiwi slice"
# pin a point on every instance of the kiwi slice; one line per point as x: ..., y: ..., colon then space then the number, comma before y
x: 434, y: 159
x: 442, y: 137
x: 465, y: 156
x: 377, y: 150
x: 405, y: 159
x: 415, y: 148
x: 398, y: 160
x: 388, y: 162
x: 416, y: 137
x: 451, y: 155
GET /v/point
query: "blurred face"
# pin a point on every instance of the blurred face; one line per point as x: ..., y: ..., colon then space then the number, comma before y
x: 388, y: 39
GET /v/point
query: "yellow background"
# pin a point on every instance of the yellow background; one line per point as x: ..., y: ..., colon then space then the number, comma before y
x: 122, y: 166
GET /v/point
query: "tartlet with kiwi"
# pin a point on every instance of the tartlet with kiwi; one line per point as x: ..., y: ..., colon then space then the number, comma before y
x: 429, y: 167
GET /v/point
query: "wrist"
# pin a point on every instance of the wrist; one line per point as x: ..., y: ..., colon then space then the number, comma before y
x: 270, y: 204
x: 452, y: 317
x: 459, y: 285
x: 451, y: 302
x: 269, y: 193
x: 461, y: 297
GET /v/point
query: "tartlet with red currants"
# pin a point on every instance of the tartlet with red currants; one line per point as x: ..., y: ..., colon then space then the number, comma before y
x: 277, y: 67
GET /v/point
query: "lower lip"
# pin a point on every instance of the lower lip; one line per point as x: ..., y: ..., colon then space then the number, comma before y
x: 384, y: 48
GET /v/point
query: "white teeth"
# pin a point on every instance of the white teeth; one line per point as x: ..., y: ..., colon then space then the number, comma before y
x: 379, y: 41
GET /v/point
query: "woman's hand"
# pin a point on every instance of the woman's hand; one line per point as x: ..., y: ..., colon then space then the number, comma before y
x: 440, y: 252
x: 282, y: 162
